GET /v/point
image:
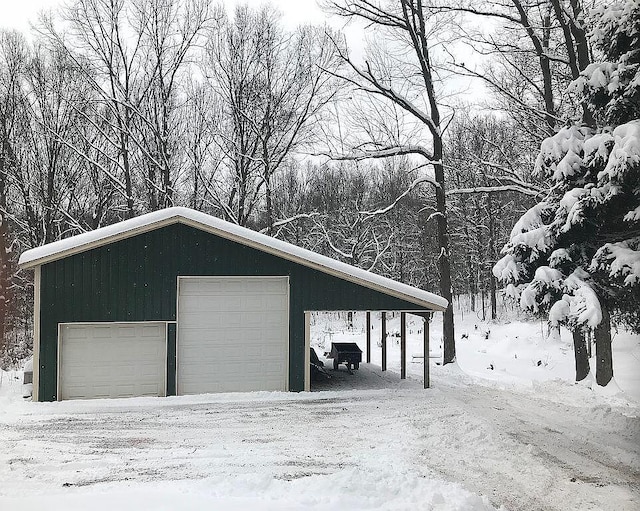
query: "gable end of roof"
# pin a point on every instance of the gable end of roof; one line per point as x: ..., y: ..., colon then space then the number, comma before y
x: 151, y: 221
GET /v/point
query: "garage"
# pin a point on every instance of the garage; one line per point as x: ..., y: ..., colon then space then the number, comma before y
x: 233, y: 334
x: 180, y: 302
x: 112, y: 360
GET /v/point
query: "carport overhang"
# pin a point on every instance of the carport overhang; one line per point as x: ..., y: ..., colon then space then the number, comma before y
x: 426, y: 316
x: 425, y: 302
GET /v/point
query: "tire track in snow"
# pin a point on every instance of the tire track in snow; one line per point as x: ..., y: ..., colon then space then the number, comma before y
x: 539, y: 455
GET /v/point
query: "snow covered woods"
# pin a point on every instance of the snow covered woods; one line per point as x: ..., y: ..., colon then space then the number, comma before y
x: 576, y: 254
x: 383, y: 156
x: 116, y: 108
x: 408, y: 23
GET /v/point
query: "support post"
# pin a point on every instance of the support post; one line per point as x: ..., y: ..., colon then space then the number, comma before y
x: 307, y: 351
x: 403, y: 345
x: 368, y: 337
x: 384, y: 341
x: 427, y: 320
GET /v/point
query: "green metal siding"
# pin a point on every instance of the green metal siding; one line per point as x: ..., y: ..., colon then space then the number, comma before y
x: 135, y: 279
x: 171, y: 359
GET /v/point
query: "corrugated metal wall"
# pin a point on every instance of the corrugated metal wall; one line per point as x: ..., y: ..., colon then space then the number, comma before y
x: 136, y: 280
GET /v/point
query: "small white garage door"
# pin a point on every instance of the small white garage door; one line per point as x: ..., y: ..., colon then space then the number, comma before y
x: 233, y: 334
x: 99, y: 360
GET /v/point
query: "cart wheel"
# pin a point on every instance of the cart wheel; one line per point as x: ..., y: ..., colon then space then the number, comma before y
x: 356, y: 365
x: 335, y: 364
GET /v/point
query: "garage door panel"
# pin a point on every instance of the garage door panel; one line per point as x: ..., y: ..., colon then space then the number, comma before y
x: 225, y: 286
x: 229, y: 332
x: 230, y: 353
x: 112, y: 360
x: 213, y: 339
x: 249, y: 379
x: 230, y: 304
x: 232, y: 334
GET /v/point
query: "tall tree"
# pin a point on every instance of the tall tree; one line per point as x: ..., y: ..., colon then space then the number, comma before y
x: 406, y: 22
x: 273, y: 85
x: 533, y: 50
x: 134, y: 56
x: 576, y: 255
x: 172, y: 32
x: 12, y: 61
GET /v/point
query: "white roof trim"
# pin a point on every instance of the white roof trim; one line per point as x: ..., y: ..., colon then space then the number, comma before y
x: 150, y: 221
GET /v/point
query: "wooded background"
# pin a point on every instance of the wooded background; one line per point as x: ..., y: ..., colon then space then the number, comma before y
x: 114, y: 108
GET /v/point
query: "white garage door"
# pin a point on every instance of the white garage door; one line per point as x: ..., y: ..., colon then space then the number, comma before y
x: 112, y: 360
x: 233, y: 334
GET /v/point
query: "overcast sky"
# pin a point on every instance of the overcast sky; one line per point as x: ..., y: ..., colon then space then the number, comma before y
x: 18, y: 13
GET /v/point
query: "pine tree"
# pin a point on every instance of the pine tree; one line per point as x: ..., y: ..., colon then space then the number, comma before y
x: 576, y: 255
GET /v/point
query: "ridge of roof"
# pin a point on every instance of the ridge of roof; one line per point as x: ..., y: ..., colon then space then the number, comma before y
x: 150, y: 221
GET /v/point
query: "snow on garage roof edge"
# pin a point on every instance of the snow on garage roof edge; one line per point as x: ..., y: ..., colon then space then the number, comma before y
x: 150, y: 221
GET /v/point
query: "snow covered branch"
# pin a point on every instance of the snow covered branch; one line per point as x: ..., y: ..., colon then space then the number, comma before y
x: 386, y: 152
x: 495, y: 189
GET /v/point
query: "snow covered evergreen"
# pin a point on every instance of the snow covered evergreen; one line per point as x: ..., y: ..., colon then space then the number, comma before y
x: 576, y: 254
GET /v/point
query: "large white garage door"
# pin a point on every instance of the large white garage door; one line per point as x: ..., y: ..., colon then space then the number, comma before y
x: 112, y: 360
x: 233, y: 334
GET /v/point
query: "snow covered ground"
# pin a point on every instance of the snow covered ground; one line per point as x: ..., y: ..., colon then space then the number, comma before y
x: 505, y: 429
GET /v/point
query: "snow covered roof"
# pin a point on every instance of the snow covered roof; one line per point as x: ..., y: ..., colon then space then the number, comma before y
x: 208, y: 223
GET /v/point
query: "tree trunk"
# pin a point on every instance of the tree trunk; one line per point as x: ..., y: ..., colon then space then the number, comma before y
x: 542, y: 51
x: 6, y: 155
x: 493, y: 255
x: 127, y: 175
x: 494, y: 301
x: 4, y: 280
x: 604, y: 359
x: 449, y: 343
x: 582, y: 357
x: 269, y: 202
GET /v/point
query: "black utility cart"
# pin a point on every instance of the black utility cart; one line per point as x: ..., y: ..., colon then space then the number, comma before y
x: 345, y: 352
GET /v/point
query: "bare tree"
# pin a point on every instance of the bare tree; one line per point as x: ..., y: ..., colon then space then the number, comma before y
x: 203, y: 118
x: 485, y: 162
x: 273, y: 85
x: 105, y: 40
x: 346, y: 227
x: 172, y: 31
x: 414, y: 91
x: 133, y: 55
x: 42, y: 192
x: 232, y: 66
x: 533, y: 49
x: 47, y: 171
x: 12, y: 60
x: 298, y: 83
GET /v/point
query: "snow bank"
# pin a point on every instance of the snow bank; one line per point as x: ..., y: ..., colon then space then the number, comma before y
x: 382, y: 488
